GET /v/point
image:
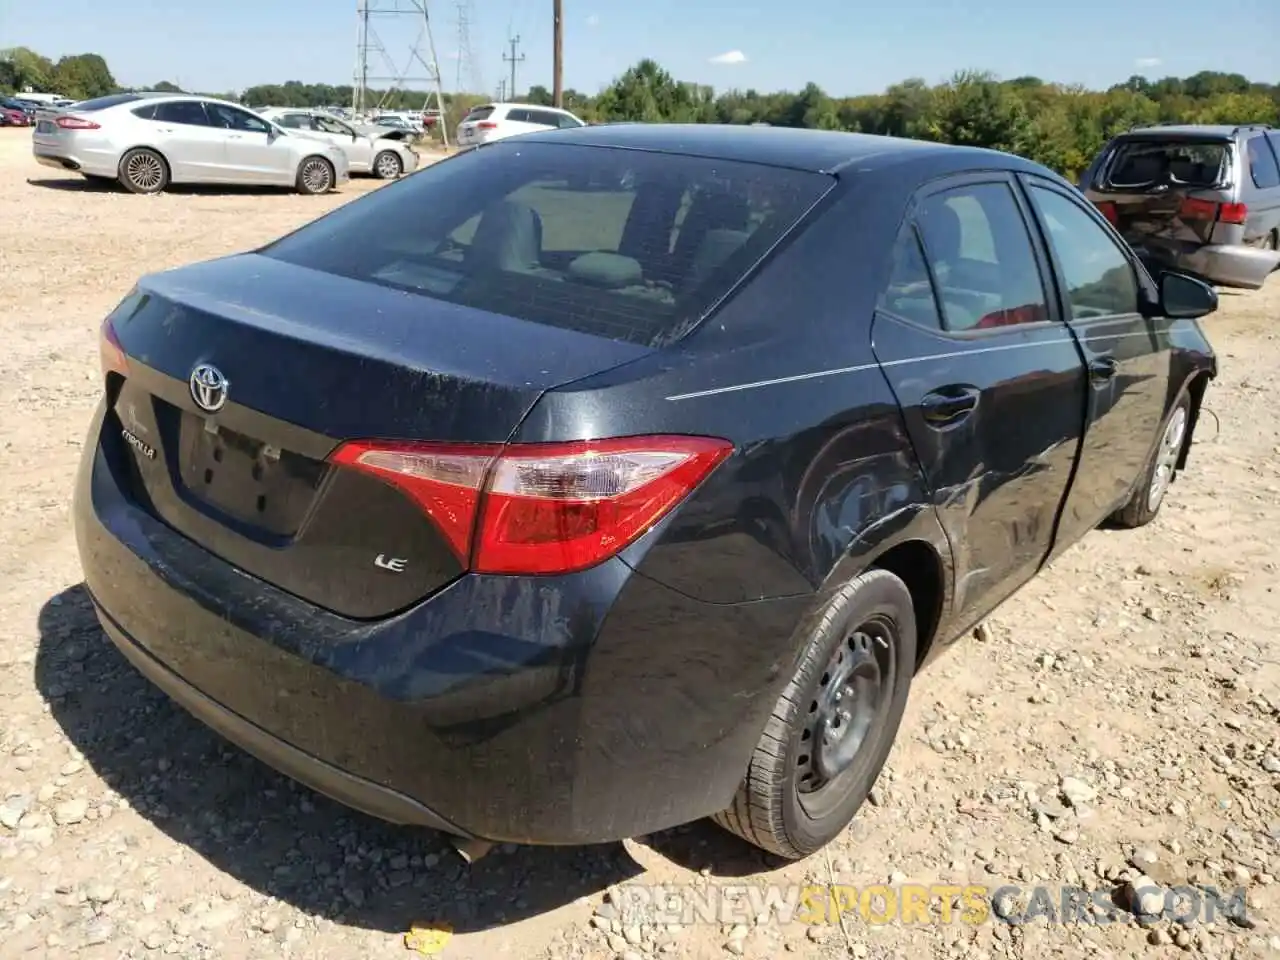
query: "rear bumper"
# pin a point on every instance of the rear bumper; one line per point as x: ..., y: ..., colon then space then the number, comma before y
x: 67, y: 156
x: 576, y: 709
x: 353, y: 791
x: 1228, y: 265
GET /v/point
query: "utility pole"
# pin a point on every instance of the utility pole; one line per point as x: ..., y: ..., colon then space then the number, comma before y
x: 513, y: 60
x: 557, y: 79
x: 502, y: 90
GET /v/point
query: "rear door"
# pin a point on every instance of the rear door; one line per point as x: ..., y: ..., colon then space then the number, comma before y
x: 1127, y: 356
x: 194, y: 148
x: 991, y: 383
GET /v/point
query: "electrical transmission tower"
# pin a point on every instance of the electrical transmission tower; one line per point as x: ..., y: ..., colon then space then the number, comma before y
x: 513, y: 60
x: 467, y: 65
x: 421, y: 65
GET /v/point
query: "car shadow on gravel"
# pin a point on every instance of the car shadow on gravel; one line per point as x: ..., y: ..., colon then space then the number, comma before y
x: 266, y: 831
x: 81, y: 185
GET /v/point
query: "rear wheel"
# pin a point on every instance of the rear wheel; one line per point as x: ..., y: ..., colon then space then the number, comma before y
x: 143, y: 171
x: 1162, y: 466
x: 834, y: 724
x: 315, y: 176
x: 387, y: 166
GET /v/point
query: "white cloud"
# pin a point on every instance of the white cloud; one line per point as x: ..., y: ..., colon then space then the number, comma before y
x: 1147, y: 62
x: 733, y: 56
x: 593, y: 21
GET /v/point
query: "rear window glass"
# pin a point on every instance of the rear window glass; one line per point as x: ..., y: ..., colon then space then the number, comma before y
x: 101, y: 103
x: 479, y: 113
x: 630, y: 245
x: 1144, y: 163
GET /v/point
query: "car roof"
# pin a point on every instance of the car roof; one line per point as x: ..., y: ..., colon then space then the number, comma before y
x: 1180, y: 131
x: 817, y: 151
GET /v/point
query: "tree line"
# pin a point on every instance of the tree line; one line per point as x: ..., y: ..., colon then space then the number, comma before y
x: 1062, y: 126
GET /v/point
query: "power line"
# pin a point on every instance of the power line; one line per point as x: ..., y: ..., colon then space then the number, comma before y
x: 513, y: 60
x: 467, y: 64
x: 422, y: 55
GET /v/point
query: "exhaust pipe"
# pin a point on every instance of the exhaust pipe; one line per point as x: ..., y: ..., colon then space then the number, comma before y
x: 470, y: 849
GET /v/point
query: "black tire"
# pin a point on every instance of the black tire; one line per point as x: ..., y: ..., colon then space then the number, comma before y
x: 387, y: 165
x: 771, y: 810
x: 1146, y: 500
x: 315, y: 176
x: 143, y: 171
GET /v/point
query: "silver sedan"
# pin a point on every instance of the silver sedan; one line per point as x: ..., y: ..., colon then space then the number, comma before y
x: 148, y: 141
x: 369, y: 149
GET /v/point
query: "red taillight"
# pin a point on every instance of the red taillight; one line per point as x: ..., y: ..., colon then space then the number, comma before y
x: 110, y: 352
x: 1193, y: 208
x: 1108, y: 210
x: 541, y: 508
x: 76, y: 123
x: 1234, y: 213
x: 486, y: 125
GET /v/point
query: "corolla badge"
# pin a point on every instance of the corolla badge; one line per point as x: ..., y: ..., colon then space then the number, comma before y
x: 208, y: 387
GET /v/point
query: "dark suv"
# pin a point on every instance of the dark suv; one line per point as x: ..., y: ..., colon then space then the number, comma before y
x: 1204, y: 199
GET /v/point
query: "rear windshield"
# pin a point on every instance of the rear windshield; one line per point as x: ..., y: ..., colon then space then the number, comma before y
x: 111, y: 100
x: 479, y: 113
x: 1144, y: 163
x: 630, y: 245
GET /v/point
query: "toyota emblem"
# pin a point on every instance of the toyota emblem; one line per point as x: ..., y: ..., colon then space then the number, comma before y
x: 208, y: 388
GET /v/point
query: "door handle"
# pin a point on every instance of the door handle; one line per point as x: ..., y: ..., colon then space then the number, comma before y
x: 235, y: 136
x: 949, y: 405
x: 1102, y: 369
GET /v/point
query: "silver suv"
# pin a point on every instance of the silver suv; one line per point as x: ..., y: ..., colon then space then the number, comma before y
x: 1203, y: 199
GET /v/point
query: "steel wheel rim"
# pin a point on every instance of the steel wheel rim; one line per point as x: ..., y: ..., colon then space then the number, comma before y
x: 145, y: 171
x: 316, y: 176
x: 1167, y: 457
x: 854, y: 693
x: 388, y: 165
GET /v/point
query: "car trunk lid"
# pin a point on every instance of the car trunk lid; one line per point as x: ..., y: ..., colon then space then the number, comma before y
x: 293, y: 362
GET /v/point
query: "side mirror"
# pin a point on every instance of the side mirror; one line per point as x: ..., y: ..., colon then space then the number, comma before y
x: 1183, y: 297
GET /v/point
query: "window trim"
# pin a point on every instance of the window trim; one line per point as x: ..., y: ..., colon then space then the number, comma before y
x: 234, y: 109
x: 1146, y: 284
x: 1044, y: 267
x: 909, y: 224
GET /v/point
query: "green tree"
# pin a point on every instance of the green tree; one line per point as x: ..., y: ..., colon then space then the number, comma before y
x: 975, y: 110
x: 83, y: 76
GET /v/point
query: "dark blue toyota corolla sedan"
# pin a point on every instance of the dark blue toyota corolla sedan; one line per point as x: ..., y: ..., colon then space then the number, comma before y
x: 596, y: 481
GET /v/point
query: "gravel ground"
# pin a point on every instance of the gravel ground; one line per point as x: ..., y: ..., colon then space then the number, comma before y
x: 1119, y: 721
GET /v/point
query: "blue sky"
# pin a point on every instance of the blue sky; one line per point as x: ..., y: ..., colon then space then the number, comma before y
x: 846, y: 47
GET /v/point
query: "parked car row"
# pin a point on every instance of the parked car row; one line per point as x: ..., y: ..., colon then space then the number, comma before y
x: 598, y: 480
x: 148, y: 141
x: 16, y: 113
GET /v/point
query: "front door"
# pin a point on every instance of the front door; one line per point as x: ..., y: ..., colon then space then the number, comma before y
x: 989, y: 378
x: 1127, y: 356
x: 255, y: 154
x: 359, y: 149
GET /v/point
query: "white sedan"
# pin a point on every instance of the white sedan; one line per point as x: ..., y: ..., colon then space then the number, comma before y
x: 148, y: 141
x: 369, y: 149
